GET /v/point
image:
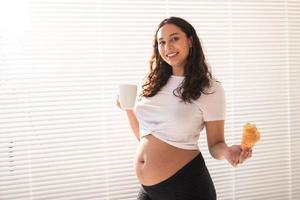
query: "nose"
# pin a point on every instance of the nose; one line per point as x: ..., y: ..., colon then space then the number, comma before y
x: 168, y: 46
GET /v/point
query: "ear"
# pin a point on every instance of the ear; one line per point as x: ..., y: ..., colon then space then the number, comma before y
x: 190, y: 41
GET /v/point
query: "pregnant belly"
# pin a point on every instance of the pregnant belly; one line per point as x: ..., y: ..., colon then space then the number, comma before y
x: 156, y: 160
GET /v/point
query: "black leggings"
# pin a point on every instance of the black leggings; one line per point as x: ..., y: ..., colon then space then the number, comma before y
x: 191, y: 182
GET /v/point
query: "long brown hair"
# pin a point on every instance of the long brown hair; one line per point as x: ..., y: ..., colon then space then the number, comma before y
x: 196, y: 71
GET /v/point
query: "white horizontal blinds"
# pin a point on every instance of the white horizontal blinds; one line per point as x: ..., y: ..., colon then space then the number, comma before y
x: 211, y: 19
x: 259, y: 50
x: 61, y: 136
x: 293, y: 10
x: 14, y: 122
x: 51, y: 134
x: 126, y: 38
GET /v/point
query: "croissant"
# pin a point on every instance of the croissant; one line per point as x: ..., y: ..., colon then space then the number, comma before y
x: 250, y: 135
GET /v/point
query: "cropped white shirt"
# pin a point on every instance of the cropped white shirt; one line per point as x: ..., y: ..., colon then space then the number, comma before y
x: 175, y: 122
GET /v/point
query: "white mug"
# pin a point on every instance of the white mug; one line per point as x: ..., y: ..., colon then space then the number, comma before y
x: 127, y: 95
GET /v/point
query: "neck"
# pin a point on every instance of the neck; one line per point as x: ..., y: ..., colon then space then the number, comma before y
x: 177, y: 71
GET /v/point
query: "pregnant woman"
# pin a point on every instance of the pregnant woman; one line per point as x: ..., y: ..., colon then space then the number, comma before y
x: 179, y: 98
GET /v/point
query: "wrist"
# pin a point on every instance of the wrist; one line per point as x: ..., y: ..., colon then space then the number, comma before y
x: 226, y: 152
x: 219, y: 150
x: 129, y: 110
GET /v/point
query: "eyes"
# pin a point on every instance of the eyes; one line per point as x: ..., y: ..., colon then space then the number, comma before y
x: 173, y: 39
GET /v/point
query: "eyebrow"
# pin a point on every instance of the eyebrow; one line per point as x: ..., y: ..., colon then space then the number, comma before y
x: 170, y: 35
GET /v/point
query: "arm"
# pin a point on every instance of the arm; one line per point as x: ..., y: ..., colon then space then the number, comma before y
x: 134, y: 124
x: 234, y: 154
x: 215, y: 139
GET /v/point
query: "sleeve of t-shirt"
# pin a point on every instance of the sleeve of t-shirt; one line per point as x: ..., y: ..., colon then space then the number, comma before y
x: 212, y: 104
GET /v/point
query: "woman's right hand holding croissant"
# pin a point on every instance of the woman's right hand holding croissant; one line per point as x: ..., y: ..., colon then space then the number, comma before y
x: 237, y: 154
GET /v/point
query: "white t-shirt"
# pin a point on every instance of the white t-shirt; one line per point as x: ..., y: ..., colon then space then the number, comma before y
x: 177, y: 123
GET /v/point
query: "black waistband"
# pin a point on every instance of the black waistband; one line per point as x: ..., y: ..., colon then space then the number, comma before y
x: 196, y: 163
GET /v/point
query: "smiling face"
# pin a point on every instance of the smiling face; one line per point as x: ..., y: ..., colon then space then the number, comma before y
x: 173, y: 47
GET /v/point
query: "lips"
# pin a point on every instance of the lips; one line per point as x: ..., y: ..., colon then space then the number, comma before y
x: 172, y: 55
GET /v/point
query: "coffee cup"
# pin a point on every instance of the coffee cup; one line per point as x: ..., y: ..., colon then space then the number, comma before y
x: 127, y: 96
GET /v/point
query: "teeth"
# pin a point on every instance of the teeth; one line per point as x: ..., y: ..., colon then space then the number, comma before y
x: 172, y: 54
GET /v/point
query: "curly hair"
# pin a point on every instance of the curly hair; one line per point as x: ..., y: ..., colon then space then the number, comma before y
x: 196, y: 71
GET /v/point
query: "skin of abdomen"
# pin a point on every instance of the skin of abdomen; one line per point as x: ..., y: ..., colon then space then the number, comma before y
x: 156, y: 160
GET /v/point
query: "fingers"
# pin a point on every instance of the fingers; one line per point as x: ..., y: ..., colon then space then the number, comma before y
x: 245, y: 154
x: 250, y: 153
x: 238, y: 155
x: 234, y: 161
x: 118, y: 102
